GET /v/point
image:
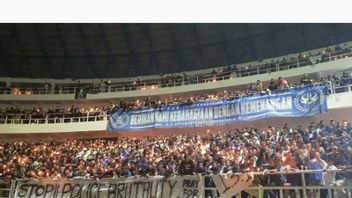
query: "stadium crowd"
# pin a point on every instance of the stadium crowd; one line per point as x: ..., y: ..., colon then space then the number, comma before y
x: 317, y: 147
x: 32, y: 115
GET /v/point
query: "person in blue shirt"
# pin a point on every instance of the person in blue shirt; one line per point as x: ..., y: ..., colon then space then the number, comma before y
x: 317, y: 178
x: 124, y: 172
x: 252, y: 87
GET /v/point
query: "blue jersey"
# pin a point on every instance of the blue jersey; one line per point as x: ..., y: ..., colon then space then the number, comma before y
x: 317, y: 165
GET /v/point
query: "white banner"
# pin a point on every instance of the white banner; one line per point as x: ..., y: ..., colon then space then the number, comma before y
x: 230, y: 184
x: 152, y: 187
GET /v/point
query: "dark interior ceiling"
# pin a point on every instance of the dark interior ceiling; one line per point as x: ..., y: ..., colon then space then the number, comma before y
x: 123, y: 50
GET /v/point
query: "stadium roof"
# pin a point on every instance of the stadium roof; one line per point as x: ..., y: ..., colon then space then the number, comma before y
x: 123, y: 50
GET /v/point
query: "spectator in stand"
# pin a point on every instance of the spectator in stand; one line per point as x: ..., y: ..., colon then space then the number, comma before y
x: 260, y: 87
x: 305, y: 80
x: 335, y: 155
x: 227, y: 168
x: 272, y: 85
x: 160, y: 170
x: 252, y: 87
x: 282, y: 84
x: 276, y: 179
x: 301, y: 57
x: 328, y: 49
x: 124, y: 172
x: 345, y: 79
x: 329, y: 179
x: 271, y: 180
x: 248, y: 149
x: 346, y: 173
x: 150, y: 170
x: 317, y: 179
x: 187, y: 166
x: 293, y: 179
x: 346, y: 49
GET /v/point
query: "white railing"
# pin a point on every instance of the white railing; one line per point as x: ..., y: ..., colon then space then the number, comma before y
x: 338, y: 189
x: 341, y: 89
x: 182, y: 81
x: 306, y: 189
x: 30, y: 120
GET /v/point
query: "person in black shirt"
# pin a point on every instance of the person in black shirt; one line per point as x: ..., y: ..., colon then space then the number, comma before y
x: 272, y: 85
x: 201, y: 169
x: 214, y: 168
x: 271, y: 180
x: 187, y: 166
x: 335, y: 155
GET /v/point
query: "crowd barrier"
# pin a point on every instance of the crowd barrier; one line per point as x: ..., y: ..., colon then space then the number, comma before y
x: 341, y: 89
x: 341, y: 188
x: 205, y: 78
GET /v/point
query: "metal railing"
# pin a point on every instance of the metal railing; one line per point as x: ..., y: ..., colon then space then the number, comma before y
x: 341, y: 89
x: 53, y: 120
x: 306, y: 189
x: 6, y: 192
x: 339, y: 189
x: 182, y: 81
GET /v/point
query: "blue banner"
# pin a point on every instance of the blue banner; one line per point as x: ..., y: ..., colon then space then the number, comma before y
x: 295, y: 102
